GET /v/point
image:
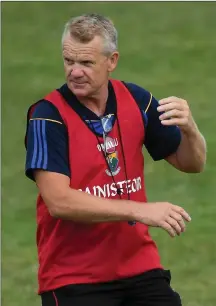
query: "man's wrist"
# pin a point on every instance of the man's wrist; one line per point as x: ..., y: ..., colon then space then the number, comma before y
x: 191, y: 131
x: 134, y: 211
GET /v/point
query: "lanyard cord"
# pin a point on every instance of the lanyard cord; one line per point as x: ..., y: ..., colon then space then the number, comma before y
x: 119, y: 190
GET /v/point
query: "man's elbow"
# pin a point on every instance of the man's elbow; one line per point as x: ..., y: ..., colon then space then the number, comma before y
x: 55, y: 212
x: 193, y: 168
x: 199, y: 164
x: 57, y: 207
x: 200, y: 168
x: 187, y: 166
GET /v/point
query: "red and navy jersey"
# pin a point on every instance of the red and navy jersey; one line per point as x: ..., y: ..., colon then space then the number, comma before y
x: 47, y: 141
x: 75, y: 253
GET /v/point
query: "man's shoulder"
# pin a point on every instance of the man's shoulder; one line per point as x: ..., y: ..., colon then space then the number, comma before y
x: 136, y: 88
x: 141, y: 95
x: 43, y: 109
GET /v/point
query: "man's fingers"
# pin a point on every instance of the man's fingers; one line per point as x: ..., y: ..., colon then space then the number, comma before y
x: 167, y: 216
x: 167, y: 227
x: 179, y: 219
x: 168, y: 100
x: 172, y: 113
x: 169, y: 106
x: 174, y: 121
x: 175, y: 111
x: 182, y: 212
x: 175, y: 225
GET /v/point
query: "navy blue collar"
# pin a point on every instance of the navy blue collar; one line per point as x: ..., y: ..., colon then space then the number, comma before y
x: 82, y: 110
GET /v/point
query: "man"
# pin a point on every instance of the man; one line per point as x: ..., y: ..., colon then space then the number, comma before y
x: 84, y: 151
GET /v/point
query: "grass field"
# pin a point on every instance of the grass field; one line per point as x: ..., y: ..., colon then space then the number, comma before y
x: 168, y: 48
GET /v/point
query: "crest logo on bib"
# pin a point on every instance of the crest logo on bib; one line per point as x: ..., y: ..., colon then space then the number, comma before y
x: 112, y: 156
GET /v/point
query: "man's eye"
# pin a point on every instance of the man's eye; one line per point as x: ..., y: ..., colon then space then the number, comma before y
x: 87, y: 63
x: 68, y: 61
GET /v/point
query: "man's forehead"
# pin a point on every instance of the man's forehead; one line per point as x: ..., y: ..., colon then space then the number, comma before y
x: 72, y: 47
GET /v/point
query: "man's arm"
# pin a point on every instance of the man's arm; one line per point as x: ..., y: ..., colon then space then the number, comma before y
x: 190, y: 156
x: 66, y: 203
x: 160, y: 141
x: 46, y: 141
x: 170, y: 131
x: 47, y: 163
x: 69, y: 204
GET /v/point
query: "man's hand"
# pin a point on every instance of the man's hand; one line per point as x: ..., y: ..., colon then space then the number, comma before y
x: 165, y: 215
x: 176, y: 112
x: 190, y: 156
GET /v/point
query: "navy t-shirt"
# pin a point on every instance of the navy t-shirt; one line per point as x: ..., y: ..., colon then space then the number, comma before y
x: 47, y: 139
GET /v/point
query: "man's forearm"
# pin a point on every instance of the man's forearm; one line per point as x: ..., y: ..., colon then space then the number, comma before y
x: 66, y: 203
x: 82, y: 207
x: 191, y: 154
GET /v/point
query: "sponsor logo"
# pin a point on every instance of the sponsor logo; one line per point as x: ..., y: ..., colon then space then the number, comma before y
x: 110, y: 144
x: 110, y: 190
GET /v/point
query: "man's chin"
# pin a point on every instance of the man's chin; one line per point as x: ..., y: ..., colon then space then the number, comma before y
x: 80, y: 92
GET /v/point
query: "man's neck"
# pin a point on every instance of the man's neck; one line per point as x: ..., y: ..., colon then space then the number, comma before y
x: 97, y: 103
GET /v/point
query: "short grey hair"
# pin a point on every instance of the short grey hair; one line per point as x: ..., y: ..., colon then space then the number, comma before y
x: 85, y: 27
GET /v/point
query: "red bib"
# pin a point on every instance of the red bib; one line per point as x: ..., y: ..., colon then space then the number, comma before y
x: 75, y: 253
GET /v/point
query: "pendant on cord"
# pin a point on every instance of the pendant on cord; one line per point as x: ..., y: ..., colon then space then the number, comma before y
x: 120, y: 191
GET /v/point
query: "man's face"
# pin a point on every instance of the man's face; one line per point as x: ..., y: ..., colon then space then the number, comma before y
x: 86, y: 67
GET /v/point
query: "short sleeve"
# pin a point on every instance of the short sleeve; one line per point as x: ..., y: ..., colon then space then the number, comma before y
x: 160, y: 141
x: 46, y: 141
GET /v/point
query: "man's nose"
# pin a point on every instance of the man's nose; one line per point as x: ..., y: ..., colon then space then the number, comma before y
x: 76, y: 72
